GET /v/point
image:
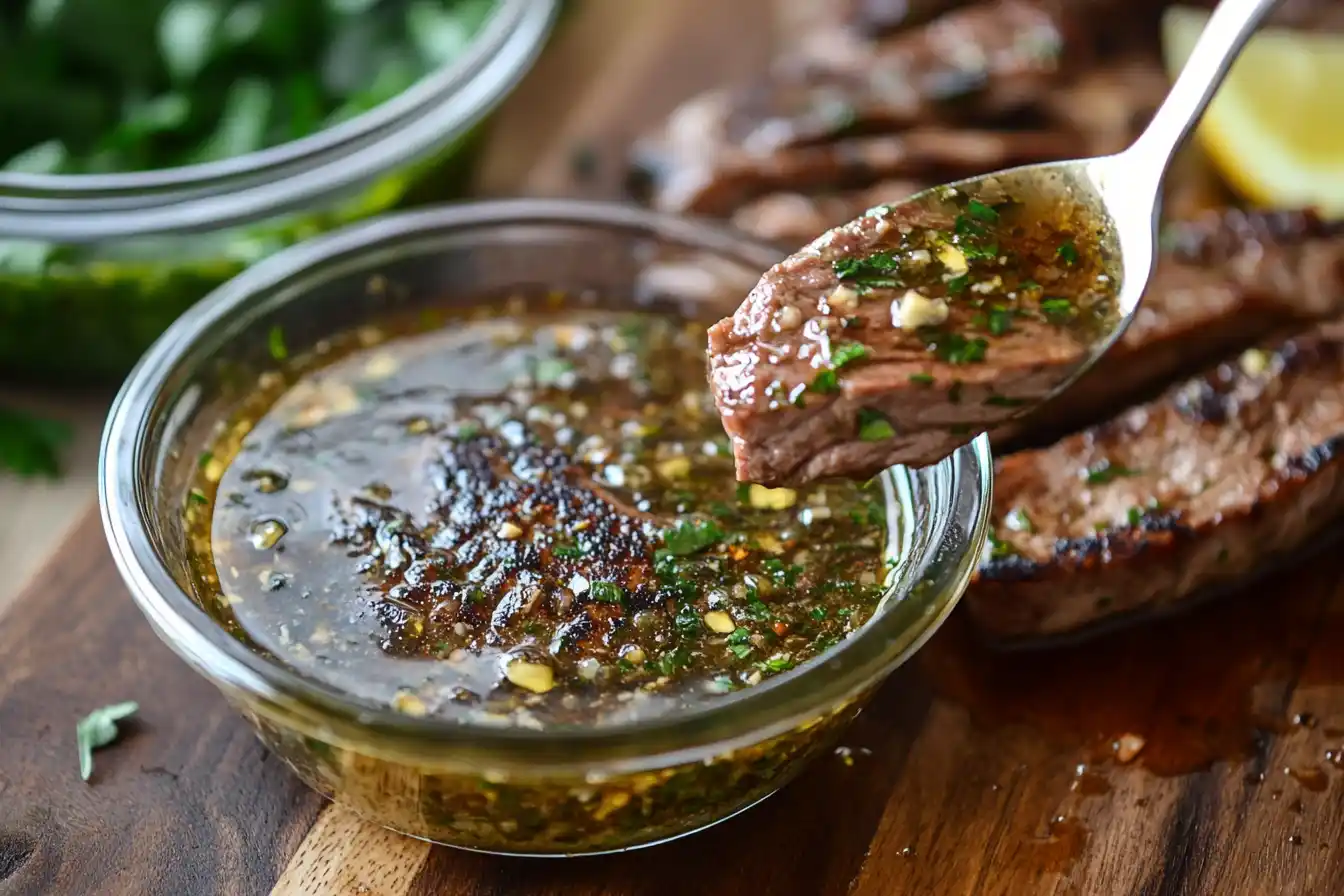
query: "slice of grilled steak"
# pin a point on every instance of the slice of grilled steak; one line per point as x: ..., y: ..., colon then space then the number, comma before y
x: 978, y: 63
x: 991, y: 57
x: 1226, y: 280
x: 929, y: 154
x: 1216, y: 479
x: 792, y: 219
x: 900, y: 335
x: 1111, y: 103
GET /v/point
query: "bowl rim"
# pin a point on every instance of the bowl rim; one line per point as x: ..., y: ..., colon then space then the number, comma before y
x: 747, y: 716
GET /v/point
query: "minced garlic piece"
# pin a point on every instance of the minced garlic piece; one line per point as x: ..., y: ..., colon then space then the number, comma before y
x: 843, y: 299
x: 771, y: 498
x: 985, y: 287
x: 789, y: 318
x: 510, y: 531
x: 410, y: 704
x: 1127, y: 747
x: 535, y: 677
x: 953, y: 259
x: 675, y: 468
x: 914, y: 310
x: 381, y: 366
x: 719, y: 621
x: 1254, y: 362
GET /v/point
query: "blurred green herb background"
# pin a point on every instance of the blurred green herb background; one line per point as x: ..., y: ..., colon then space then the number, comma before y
x: 103, y: 86
x: 100, y: 86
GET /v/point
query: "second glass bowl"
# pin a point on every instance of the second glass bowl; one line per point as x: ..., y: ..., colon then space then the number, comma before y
x: 94, y: 267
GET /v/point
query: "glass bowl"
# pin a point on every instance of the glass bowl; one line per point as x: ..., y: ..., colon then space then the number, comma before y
x: 514, y: 791
x: 94, y: 267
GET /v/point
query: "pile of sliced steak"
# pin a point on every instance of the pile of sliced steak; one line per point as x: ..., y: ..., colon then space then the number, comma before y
x: 1203, y: 448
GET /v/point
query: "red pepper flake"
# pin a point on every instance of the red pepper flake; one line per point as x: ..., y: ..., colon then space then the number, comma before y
x: 781, y: 628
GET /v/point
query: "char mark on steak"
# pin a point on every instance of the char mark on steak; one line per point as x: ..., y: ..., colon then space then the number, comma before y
x: 1211, y: 482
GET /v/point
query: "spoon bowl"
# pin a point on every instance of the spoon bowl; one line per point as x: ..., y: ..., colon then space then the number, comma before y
x: 1119, y: 196
x: 898, y: 336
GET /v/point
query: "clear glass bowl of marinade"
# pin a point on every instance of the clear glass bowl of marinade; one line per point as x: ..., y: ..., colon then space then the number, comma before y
x: 441, y: 504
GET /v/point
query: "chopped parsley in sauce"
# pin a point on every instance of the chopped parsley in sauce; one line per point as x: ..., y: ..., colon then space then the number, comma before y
x: 1105, y: 471
x: 976, y: 270
x: 532, y: 518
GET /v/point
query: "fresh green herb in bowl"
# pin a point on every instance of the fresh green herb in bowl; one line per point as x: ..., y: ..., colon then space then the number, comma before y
x: 106, y: 87
x: 153, y: 150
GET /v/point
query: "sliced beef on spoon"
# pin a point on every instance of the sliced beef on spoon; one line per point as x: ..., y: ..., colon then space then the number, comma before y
x: 897, y: 337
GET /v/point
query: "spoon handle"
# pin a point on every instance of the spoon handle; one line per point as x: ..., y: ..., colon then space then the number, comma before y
x: 1227, y: 31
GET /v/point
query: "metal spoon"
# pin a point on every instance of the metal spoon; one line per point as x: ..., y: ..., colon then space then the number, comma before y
x: 1122, y: 193
x: 765, y: 361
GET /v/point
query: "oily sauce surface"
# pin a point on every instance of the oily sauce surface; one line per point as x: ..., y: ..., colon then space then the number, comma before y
x: 529, y: 519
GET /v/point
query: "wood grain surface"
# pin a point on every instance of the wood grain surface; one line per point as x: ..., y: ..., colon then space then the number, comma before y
x: 971, y: 773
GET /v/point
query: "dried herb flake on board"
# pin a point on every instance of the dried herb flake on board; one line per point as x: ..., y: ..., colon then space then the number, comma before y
x: 99, y: 729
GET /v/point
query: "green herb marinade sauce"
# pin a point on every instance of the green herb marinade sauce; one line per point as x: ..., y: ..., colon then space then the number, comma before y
x: 525, y: 516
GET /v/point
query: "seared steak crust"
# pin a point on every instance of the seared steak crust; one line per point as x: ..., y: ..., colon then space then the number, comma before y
x: 1218, y: 477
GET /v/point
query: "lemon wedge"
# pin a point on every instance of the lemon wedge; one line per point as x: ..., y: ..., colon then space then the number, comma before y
x: 1274, y: 130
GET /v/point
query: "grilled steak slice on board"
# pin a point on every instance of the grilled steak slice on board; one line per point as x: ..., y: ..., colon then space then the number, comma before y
x: 930, y: 154
x: 1213, y: 481
x: 980, y: 64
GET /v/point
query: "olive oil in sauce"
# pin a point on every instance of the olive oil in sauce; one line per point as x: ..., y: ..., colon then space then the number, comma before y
x: 529, y: 520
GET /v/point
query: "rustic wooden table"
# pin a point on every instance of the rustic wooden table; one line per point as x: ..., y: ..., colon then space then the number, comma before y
x: 970, y: 774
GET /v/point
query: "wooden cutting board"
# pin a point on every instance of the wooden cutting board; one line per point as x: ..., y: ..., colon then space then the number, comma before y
x: 971, y: 773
